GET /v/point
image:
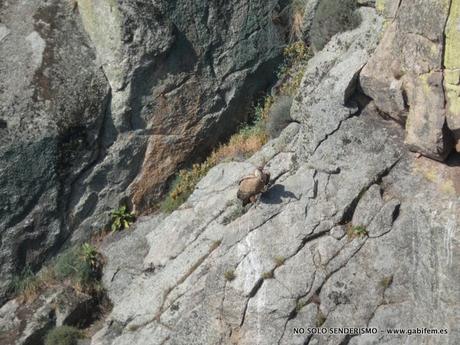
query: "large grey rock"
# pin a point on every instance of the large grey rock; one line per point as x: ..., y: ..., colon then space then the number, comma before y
x: 102, y: 101
x: 331, y: 79
x: 405, y: 76
x: 28, y: 322
x: 319, y: 277
x: 53, y: 100
x: 217, y: 274
x: 329, y: 18
x: 180, y: 71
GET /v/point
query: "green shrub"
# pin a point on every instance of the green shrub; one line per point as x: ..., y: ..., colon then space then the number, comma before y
x: 71, y: 266
x: 81, y: 266
x: 63, y: 335
x: 90, y: 255
x: 296, y: 56
x: 229, y: 275
x: 122, y: 218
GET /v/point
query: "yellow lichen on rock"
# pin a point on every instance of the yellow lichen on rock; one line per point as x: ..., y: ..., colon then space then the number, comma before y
x: 452, y: 49
x: 380, y: 6
x: 452, y: 67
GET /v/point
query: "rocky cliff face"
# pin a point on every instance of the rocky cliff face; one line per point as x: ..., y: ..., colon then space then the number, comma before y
x: 414, y: 74
x: 53, y: 106
x: 101, y: 101
x: 354, y: 231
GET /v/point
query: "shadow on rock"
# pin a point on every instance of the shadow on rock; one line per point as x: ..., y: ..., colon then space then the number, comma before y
x: 276, y: 194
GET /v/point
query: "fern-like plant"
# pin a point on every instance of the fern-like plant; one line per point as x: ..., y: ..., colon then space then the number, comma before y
x: 90, y: 255
x: 122, y: 218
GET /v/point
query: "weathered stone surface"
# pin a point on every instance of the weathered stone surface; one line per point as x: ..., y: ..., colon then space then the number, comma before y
x: 26, y: 323
x: 181, y: 70
x: 331, y: 17
x: 331, y: 78
x: 53, y: 98
x: 318, y: 276
x: 426, y: 129
x: 8, y: 316
x: 124, y: 253
x: 101, y: 102
x: 405, y: 75
x: 452, y: 71
x: 216, y: 275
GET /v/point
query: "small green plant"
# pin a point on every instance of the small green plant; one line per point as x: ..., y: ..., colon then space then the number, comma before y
x: 296, y: 56
x: 122, y: 218
x: 268, y: 275
x: 63, y: 335
x: 279, y: 260
x: 386, y: 282
x: 184, y: 184
x: 81, y: 266
x: 91, y: 256
x: 70, y: 266
x: 229, y: 275
x: 357, y: 231
x: 320, y: 318
x: 299, y: 305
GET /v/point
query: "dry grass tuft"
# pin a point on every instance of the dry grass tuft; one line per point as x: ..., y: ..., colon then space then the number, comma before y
x: 229, y: 275
x: 268, y: 275
x: 79, y: 268
x: 240, y: 146
x: 279, y: 260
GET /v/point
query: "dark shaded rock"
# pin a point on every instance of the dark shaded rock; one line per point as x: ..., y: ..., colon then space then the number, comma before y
x: 53, y: 99
x: 27, y: 323
x: 179, y: 71
x: 332, y: 17
x: 102, y: 101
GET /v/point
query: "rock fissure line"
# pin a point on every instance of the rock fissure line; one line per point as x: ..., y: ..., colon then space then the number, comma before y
x: 292, y: 315
x: 252, y: 293
x: 98, y: 156
x: 161, y: 310
x: 320, y: 142
x: 255, y: 228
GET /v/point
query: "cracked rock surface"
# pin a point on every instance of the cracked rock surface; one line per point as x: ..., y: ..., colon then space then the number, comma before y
x: 211, y: 274
x: 101, y: 102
